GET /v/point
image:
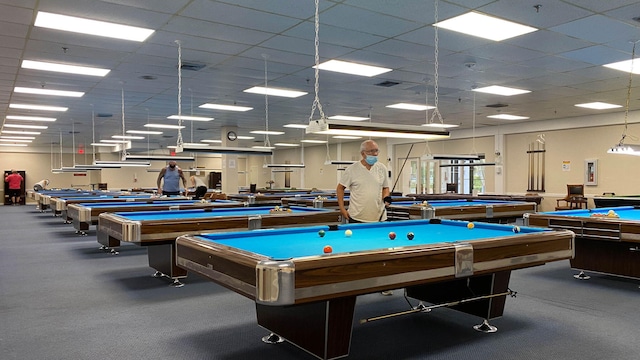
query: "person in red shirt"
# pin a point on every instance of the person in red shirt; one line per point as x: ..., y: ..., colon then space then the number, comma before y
x: 15, y: 186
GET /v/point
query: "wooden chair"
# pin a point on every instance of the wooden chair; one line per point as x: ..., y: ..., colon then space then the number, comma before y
x: 574, y: 199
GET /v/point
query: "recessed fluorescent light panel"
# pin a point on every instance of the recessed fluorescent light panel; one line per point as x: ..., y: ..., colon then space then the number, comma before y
x: 144, y: 132
x: 191, y: 118
x: 38, y: 107
x: 275, y: 92
x: 414, y: 107
x: 508, y: 117
x: 18, y: 126
x: 29, y: 118
x: 598, y: 105
x: 484, y: 26
x: 91, y: 27
x: 128, y: 137
x: 628, y: 66
x: 309, y: 141
x: 265, y: 132
x: 164, y: 126
x: 225, y: 107
x: 21, y: 132
x: 38, y: 91
x: 348, y: 118
x: 63, y: 68
x: 352, y: 68
x: 501, y: 90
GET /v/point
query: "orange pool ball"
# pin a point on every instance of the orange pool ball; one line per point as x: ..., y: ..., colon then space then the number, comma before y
x: 327, y: 249
x: 470, y: 226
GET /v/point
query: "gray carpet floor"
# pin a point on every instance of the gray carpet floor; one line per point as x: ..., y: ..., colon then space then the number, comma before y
x: 62, y: 298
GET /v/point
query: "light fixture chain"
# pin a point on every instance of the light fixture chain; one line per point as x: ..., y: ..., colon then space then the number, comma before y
x: 626, y: 106
x: 316, y: 100
x: 267, y: 143
x: 93, y: 132
x: 436, y: 111
x: 180, y: 141
x: 124, y: 147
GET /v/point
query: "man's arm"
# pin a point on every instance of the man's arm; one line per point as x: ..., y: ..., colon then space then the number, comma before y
x: 386, y: 196
x: 184, y: 180
x: 340, y: 195
x: 160, y: 176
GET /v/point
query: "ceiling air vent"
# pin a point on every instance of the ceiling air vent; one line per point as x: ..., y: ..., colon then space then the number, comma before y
x: 387, y: 83
x: 192, y: 66
x: 496, y: 105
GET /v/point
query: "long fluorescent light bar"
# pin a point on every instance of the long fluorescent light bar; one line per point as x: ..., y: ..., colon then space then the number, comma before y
x: 283, y: 166
x: 127, y: 137
x: 275, y: 92
x: 29, y: 118
x: 440, y: 125
x: 38, y: 107
x: 159, y: 157
x: 262, y: 147
x: 18, y: 137
x: 122, y: 163
x: 625, y: 149
x: 484, y: 26
x: 225, y: 107
x: 407, y: 106
x: 501, y: 90
x: 508, y: 117
x: 310, y: 141
x: 226, y: 150
x: 144, y: 132
x: 103, y: 144
x: 265, y: 132
x: 352, y: 68
x: 64, y: 68
x: 38, y: 91
x: 286, y: 144
x: 211, y: 141
x: 346, y: 137
x: 67, y: 169
x: 598, y: 105
x: 348, y: 118
x: 20, y: 126
x: 295, y: 126
x: 164, y: 126
x: 91, y: 27
x: 451, y: 157
x: 628, y: 66
x: 333, y: 127
x: 2, y: 144
x: 191, y: 118
x: 115, y: 141
x: 240, y: 137
x: 16, y: 140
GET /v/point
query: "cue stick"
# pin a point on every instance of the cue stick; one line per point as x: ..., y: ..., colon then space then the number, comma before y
x: 422, y: 308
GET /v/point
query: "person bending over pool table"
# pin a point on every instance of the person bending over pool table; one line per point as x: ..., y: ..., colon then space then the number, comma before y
x: 368, y: 186
x: 199, y: 187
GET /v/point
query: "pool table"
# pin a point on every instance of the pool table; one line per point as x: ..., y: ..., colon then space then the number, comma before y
x: 607, y: 245
x: 454, y: 196
x: 308, y: 297
x: 269, y: 199
x: 326, y: 200
x: 465, y: 209
x: 59, y: 204
x: 157, y: 230
x: 613, y: 201
x: 43, y: 198
x: 85, y: 214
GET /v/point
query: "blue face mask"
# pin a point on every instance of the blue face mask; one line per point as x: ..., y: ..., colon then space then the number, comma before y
x: 371, y: 159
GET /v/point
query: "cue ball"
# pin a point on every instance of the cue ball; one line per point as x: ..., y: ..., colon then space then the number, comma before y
x: 348, y: 233
x: 321, y: 233
x: 327, y: 249
x: 410, y: 236
x: 470, y: 226
x: 516, y: 229
x: 392, y: 235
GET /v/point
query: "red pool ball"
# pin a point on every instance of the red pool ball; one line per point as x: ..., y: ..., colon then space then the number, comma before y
x: 327, y: 249
x: 392, y: 235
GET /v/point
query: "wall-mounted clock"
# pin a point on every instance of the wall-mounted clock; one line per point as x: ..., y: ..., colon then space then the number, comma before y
x: 232, y: 136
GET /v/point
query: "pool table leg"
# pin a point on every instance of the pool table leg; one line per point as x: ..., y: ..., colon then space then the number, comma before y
x: 162, y: 258
x: 465, y: 288
x: 320, y: 328
x: 108, y: 242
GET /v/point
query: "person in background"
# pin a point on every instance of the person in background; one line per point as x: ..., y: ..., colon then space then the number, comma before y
x: 368, y: 189
x: 170, y: 177
x: 41, y: 185
x: 15, y: 185
x: 199, y: 186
